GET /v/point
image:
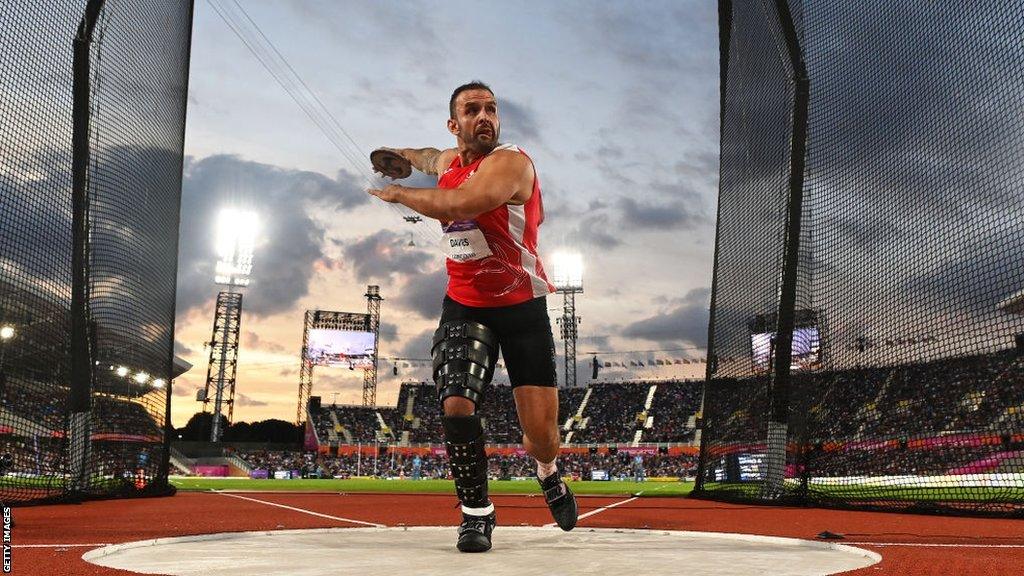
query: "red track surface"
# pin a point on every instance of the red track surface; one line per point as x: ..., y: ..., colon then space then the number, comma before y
x: 968, y: 552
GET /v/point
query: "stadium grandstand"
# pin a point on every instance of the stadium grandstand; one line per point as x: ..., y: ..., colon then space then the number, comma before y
x: 604, y: 427
x: 602, y: 413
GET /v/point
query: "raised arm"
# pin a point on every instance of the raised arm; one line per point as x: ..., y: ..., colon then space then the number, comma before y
x: 502, y: 178
x: 427, y: 160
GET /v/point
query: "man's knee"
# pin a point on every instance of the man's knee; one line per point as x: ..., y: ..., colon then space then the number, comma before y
x: 544, y: 437
x: 458, y: 406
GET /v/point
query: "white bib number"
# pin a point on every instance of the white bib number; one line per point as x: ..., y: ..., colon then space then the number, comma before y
x: 465, y: 245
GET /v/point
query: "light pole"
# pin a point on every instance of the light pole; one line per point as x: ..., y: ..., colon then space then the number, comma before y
x: 236, y: 239
x: 568, y: 280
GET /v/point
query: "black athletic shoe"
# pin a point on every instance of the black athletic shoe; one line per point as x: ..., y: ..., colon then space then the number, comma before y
x: 561, y: 501
x: 475, y: 532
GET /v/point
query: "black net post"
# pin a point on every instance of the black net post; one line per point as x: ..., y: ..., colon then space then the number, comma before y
x: 783, y: 342
x: 78, y: 431
x: 724, y: 31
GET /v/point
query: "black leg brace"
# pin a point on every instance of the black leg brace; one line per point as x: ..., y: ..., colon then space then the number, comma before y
x: 464, y: 439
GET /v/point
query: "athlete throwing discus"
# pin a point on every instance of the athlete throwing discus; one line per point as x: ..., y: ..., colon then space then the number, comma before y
x: 489, y: 204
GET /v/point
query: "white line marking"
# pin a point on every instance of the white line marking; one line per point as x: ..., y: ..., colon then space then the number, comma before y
x: 640, y: 493
x: 598, y: 511
x: 304, y: 511
x: 925, y: 545
x: 59, y: 545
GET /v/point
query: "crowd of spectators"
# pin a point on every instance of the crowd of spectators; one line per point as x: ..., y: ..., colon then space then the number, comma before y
x: 41, y: 404
x: 674, y: 405
x: 45, y: 408
x: 870, y: 417
x: 113, y: 415
x: 394, y: 465
x: 613, y: 413
x: 497, y: 410
x: 360, y: 422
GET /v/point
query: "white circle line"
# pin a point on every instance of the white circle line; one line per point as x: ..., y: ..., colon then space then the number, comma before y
x: 779, y: 540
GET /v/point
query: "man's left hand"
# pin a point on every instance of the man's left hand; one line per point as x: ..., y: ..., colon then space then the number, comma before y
x: 389, y: 193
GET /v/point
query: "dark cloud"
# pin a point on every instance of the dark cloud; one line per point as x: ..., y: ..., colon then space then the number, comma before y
x: 519, y: 124
x: 181, y: 349
x: 253, y: 340
x: 697, y: 164
x: 663, y: 216
x: 423, y: 293
x: 674, y: 41
x: 687, y: 322
x: 388, y: 332
x: 291, y: 240
x: 419, y: 345
x: 595, y: 232
x: 384, y: 255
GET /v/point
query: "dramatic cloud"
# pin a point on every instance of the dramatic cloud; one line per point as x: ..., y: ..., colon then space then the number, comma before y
x: 291, y: 239
x: 670, y: 215
x: 638, y: 41
x: 253, y: 340
x: 419, y: 345
x: 594, y: 231
x: 388, y: 332
x: 423, y: 293
x: 181, y: 349
x: 383, y: 255
x: 687, y: 322
x: 519, y: 124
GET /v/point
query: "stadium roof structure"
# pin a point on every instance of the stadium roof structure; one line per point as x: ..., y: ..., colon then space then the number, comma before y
x: 179, y: 367
x: 1014, y: 304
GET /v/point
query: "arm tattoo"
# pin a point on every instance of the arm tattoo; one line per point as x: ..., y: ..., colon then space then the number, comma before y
x: 424, y: 159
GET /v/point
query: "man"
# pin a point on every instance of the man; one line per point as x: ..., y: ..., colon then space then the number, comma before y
x: 638, y: 468
x: 417, y: 467
x: 488, y: 200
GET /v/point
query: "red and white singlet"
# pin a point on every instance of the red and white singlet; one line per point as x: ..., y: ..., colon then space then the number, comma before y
x: 492, y: 259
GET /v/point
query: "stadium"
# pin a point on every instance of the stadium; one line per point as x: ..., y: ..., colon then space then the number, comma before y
x: 768, y: 317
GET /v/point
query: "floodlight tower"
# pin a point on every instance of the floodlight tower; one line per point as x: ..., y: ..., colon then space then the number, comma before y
x: 236, y: 238
x: 568, y: 280
x: 373, y: 299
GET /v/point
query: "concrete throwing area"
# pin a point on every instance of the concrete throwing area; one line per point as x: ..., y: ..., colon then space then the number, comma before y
x: 518, y: 551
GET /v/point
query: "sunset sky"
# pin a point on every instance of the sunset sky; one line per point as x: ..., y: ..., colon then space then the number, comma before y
x: 618, y: 107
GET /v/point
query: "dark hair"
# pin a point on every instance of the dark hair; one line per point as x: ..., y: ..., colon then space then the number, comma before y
x: 474, y: 85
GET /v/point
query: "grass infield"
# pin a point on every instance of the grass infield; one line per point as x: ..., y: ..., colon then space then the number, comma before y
x: 610, y: 488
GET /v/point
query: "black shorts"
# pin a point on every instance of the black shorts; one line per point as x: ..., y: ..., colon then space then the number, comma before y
x: 524, y: 337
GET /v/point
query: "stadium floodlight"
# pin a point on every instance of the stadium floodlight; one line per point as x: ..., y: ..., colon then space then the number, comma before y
x: 236, y: 239
x: 6, y: 332
x: 122, y: 371
x: 567, y: 271
x: 159, y: 383
x: 141, y: 377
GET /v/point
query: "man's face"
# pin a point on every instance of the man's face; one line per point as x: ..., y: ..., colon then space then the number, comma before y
x: 476, y: 120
